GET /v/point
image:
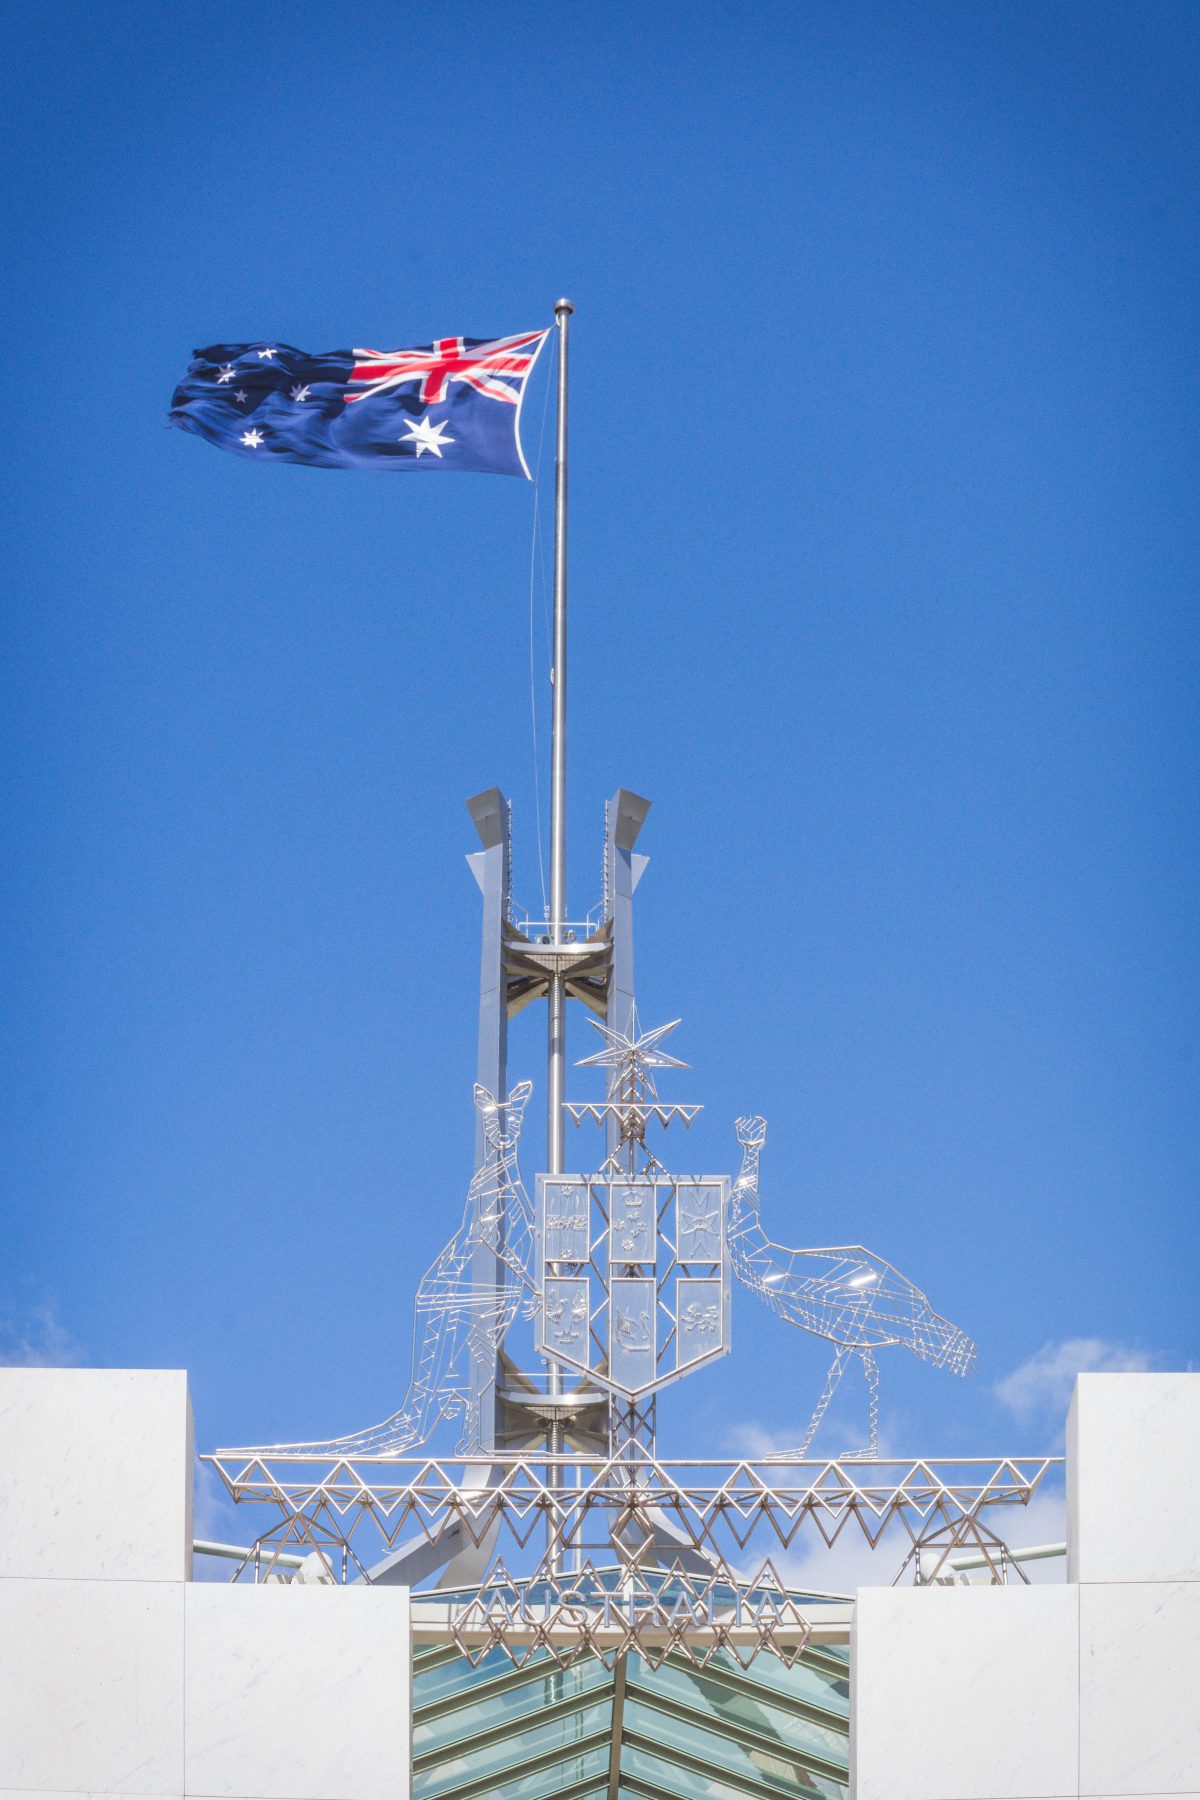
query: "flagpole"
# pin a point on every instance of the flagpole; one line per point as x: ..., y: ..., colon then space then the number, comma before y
x: 556, y: 1025
x: 556, y: 1035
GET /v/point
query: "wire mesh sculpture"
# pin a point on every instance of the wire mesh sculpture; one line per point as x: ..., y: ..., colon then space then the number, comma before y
x: 470, y: 1295
x: 466, y: 1301
x: 843, y: 1293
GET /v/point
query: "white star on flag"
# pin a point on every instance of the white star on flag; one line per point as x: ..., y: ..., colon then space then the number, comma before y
x: 427, y: 436
x: 227, y: 373
x: 266, y: 355
x: 252, y: 438
x: 300, y: 393
x: 240, y: 396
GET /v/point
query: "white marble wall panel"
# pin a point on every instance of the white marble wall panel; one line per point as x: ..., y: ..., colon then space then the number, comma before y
x: 1139, y: 1688
x: 965, y: 1694
x: 298, y: 1693
x: 96, y: 1474
x: 91, y: 1687
x: 1133, y: 1467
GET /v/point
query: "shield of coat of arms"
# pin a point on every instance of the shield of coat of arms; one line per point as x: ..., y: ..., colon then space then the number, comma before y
x: 633, y: 1276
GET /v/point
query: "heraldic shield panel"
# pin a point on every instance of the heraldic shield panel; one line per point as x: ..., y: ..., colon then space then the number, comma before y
x: 633, y: 1274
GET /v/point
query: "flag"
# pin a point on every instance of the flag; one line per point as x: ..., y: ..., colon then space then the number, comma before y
x: 452, y: 404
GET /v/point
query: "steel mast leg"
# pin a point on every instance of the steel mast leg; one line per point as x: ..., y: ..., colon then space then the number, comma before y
x: 490, y: 867
x: 628, y: 1422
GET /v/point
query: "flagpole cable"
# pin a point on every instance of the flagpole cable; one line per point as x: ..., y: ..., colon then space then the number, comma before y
x: 556, y: 1025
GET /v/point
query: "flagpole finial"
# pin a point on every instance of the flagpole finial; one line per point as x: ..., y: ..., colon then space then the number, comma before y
x: 564, y: 306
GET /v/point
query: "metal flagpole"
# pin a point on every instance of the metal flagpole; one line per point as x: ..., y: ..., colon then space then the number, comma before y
x: 557, y: 1042
x: 556, y: 1033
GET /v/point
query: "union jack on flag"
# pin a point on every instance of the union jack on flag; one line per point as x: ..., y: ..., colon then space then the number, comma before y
x: 452, y: 404
x: 497, y: 369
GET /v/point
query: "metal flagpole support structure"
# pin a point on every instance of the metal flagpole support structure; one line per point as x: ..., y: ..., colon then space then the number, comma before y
x: 556, y: 998
x: 627, y: 1271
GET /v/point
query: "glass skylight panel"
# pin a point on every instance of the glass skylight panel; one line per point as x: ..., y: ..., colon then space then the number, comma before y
x: 660, y: 1775
x: 722, y: 1705
x: 774, y: 1768
x: 469, y: 1762
x: 721, y: 1733
x: 821, y: 1678
x: 522, y: 1696
x: 438, y: 1673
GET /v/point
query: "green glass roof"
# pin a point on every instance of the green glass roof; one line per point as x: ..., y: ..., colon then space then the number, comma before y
x: 589, y: 1733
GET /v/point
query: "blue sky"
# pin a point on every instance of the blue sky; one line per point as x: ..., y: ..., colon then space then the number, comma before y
x: 883, y: 564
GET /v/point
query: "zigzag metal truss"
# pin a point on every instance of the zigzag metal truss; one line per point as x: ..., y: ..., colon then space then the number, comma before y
x: 690, y: 1600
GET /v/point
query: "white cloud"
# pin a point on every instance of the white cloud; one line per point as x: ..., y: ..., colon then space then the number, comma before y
x: 809, y: 1567
x: 851, y: 1563
x: 38, y: 1341
x: 752, y: 1441
x: 839, y: 1435
x: 1041, y: 1387
x: 1043, y: 1521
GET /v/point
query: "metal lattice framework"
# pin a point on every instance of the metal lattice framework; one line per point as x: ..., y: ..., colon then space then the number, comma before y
x: 611, y: 1613
x: 688, y: 1535
x: 844, y: 1293
x: 613, y: 1550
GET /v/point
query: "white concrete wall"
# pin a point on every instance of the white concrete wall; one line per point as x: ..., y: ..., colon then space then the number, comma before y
x: 1133, y: 1464
x: 96, y: 1474
x: 91, y: 1686
x: 117, y: 1675
x: 1139, y: 1688
x: 1089, y: 1691
x: 965, y: 1693
x: 297, y: 1693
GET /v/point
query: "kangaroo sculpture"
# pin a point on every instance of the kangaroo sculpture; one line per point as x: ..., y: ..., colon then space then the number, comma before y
x: 844, y: 1293
x: 459, y: 1319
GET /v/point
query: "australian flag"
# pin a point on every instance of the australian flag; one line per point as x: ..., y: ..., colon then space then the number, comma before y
x: 452, y: 404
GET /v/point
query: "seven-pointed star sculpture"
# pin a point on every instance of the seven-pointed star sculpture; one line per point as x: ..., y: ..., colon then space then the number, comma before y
x: 634, y: 1052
